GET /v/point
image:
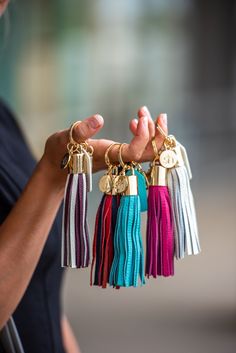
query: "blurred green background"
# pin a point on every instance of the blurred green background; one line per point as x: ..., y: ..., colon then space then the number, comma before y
x: 64, y: 60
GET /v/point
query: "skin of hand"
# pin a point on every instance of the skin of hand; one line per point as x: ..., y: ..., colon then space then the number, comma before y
x: 139, y: 149
x: 31, y: 221
x: 153, y: 132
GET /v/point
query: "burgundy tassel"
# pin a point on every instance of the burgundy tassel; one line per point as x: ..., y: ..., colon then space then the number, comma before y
x: 160, y: 237
x: 103, y: 247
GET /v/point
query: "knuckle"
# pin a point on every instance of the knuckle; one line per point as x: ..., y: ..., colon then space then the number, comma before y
x: 81, y: 131
x: 136, y: 155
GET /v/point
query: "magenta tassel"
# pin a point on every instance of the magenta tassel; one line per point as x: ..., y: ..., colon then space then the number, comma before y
x: 160, y: 236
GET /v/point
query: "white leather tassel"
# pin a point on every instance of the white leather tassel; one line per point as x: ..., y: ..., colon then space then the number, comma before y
x: 185, y: 159
x: 184, y: 214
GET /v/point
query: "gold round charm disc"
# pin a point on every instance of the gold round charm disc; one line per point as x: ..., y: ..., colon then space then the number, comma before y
x: 105, y: 184
x: 168, y: 159
x: 120, y: 183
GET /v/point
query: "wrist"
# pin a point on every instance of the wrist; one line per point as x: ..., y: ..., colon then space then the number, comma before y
x: 55, y: 178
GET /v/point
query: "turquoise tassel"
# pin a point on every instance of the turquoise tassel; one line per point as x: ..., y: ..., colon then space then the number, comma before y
x: 142, y: 189
x: 128, y: 263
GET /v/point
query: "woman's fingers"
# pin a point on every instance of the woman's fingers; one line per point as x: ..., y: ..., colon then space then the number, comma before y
x: 82, y: 131
x: 143, y: 111
x: 162, y: 121
x: 153, y: 131
x: 151, y: 126
x: 55, y: 146
x: 139, y: 149
x: 133, y: 125
x: 88, y: 127
x: 135, y: 149
x: 148, y: 154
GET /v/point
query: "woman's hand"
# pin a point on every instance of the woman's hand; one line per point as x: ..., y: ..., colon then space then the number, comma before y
x: 139, y: 149
x: 55, y: 147
x: 153, y: 132
x: 33, y: 214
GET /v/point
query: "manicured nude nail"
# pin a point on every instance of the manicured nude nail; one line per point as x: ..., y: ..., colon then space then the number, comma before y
x: 145, y: 110
x: 95, y: 121
x: 164, y: 118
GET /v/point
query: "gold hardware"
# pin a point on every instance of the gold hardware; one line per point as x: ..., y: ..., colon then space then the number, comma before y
x: 72, y: 141
x: 169, y: 141
x: 79, y: 154
x: 77, y: 163
x: 132, y: 187
x: 120, y: 154
x: 168, y: 159
x: 158, y: 175
x: 105, y: 184
x: 120, y: 183
x: 154, y: 146
x: 107, y: 181
x: 162, y: 132
x: 107, y: 159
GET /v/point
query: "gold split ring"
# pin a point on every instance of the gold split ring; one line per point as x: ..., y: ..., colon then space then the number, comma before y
x: 72, y: 141
x: 107, y: 159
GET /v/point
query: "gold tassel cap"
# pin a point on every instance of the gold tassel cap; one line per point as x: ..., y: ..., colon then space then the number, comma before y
x: 77, y: 163
x: 158, y: 176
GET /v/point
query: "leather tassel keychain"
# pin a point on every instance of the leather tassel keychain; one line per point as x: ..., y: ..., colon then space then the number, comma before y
x: 142, y: 184
x: 174, y: 156
x: 103, y: 241
x: 128, y: 263
x: 75, y: 250
x: 160, y: 236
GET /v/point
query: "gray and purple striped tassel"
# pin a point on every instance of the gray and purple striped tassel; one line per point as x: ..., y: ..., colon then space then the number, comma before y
x: 75, y: 235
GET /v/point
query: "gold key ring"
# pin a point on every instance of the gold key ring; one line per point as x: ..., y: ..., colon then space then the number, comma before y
x: 83, y: 144
x: 107, y: 159
x: 154, y: 146
x: 169, y: 141
x: 122, y: 163
x: 162, y: 132
x: 72, y: 141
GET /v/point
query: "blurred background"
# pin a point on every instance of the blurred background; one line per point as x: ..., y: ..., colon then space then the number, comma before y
x: 63, y: 60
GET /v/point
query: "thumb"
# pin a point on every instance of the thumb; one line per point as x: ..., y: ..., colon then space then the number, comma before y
x: 88, y: 127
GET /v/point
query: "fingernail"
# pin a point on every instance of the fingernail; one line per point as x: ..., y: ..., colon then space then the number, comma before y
x: 164, y: 118
x: 136, y: 121
x: 95, y: 121
x: 145, y: 110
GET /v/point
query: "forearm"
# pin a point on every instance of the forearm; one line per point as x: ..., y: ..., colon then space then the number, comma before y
x: 23, y: 235
x: 25, y: 230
